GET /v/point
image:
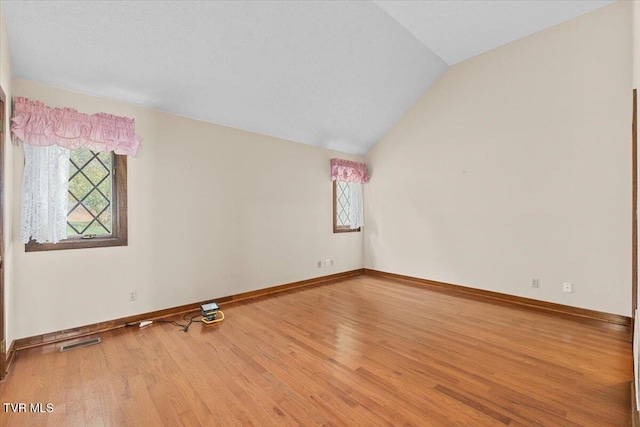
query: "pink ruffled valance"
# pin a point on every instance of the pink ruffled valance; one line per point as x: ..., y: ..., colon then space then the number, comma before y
x: 348, y: 171
x: 36, y: 124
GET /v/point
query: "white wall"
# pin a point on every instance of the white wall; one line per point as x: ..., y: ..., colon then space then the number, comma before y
x: 213, y: 211
x: 514, y: 165
x: 5, y: 82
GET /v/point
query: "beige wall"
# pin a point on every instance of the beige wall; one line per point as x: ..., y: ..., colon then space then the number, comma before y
x: 516, y: 165
x: 636, y: 65
x: 5, y: 82
x: 636, y: 43
x: 213, y: 211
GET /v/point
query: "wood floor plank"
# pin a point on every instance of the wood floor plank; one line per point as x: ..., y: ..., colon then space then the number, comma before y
x: 93, y: 413
x: 280, y: 371
x: 248, y: 373
x: 363, y: 351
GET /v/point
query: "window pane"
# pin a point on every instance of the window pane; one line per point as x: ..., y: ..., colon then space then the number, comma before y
x: 105, y: 158
x: 343, y: 204
x: 90, y: 193
x: 80, y: 156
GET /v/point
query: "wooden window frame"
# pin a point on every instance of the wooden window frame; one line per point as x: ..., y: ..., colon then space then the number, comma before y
x: 339, y: 228
x: 119, y: 237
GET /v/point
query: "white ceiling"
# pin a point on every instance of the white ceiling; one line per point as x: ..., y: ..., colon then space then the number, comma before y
x: 460, y: 29
x: 336, y: 74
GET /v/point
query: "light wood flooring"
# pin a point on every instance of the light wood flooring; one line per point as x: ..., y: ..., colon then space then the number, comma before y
x: 359, y: 352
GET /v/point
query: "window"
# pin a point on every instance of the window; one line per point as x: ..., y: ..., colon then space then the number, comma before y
x: 341, y: 207
x: 97, y: 202
x: 77, y: 201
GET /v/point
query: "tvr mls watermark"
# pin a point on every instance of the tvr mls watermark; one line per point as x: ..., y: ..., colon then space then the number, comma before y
x: 28, y: 407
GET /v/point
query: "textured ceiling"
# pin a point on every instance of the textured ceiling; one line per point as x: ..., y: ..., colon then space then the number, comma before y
x: 336, y: 74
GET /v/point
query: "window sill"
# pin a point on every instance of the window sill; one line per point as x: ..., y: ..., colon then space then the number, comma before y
x: 345, y: 230
x: 96, y: 242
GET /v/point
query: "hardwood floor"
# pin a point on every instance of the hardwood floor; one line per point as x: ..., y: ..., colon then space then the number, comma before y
x: 365, y: 351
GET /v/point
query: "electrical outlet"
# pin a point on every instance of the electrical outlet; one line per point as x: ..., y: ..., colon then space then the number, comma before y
x: 327, y: 262
x: 319, y: 264
x: 133, y: 295
x: 535, y: 283
x: 567, y: 287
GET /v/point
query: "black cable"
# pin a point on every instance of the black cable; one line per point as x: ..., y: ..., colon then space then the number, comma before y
x: 174, y: 323
x: 185, y: 328
x: 191, y: 319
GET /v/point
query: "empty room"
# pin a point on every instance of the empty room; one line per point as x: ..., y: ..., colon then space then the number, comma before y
x: 319, y: 213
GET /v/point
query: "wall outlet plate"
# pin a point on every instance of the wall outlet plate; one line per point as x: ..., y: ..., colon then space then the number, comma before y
x: 535, y: 283
x: 567, y: 287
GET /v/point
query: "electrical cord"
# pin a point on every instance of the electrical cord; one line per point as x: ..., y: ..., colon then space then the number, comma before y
x: 174, y: 323
x: 189, y: 320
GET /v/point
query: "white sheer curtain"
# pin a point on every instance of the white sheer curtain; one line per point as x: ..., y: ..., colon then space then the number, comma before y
x: 356, y: 211
x: 44, y: 193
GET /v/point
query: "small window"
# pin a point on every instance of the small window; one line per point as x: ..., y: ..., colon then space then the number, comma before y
x: 341, y: 208
x: 97, y: 202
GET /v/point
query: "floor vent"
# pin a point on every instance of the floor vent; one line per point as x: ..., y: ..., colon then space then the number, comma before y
x: 92, y: 341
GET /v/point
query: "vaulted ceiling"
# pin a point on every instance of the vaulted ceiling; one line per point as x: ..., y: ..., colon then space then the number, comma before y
x: 335, y: 74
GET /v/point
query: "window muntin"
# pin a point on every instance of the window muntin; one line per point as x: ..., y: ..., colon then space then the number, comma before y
x: 90, y: 209
x: 343, y: 203
x: 341, y: 207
